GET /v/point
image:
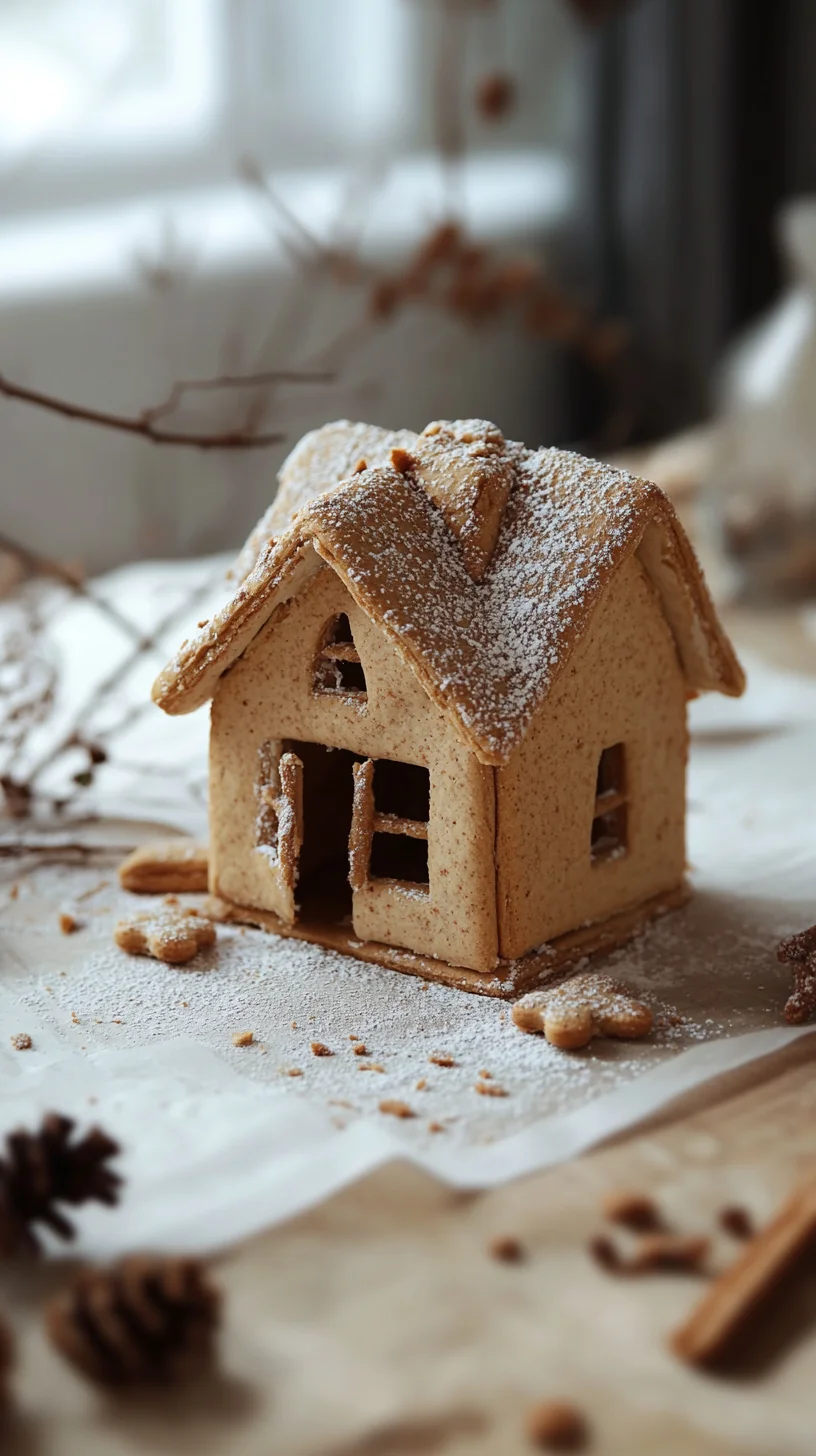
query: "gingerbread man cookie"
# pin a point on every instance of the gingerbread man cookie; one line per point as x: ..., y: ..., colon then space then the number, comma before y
x: 589, y: 1005
x: 168, y: 935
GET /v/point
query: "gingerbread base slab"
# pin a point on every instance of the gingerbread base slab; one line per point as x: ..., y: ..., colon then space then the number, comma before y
x: 509, y: 980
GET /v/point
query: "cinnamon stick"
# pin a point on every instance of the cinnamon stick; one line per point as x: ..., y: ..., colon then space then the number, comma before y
x: 728, y: 1304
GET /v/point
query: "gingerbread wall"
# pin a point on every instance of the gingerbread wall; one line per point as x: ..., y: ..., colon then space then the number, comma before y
x: 268, y: 695
x: 624, y: 684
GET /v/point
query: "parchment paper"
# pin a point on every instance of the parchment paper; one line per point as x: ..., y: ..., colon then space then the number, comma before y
x: 220, y: 1141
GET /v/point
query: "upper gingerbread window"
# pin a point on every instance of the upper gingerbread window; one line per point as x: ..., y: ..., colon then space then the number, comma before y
x: 338, y: 668
x: 609, y: 839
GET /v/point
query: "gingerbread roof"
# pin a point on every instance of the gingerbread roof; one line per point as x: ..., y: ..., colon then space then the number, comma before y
x: 480, y: 560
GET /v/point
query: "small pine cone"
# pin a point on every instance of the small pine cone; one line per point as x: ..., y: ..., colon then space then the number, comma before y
x: 145, y: 1320
x: 6, y: 1359
x: 44, y: 1168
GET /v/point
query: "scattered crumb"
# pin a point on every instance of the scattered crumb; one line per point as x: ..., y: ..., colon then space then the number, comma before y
x: 75, y: 1019
x: 487, y: 1075
x: 435, y: 1127
x: 185, y: 1003
x: 489, y: 1089
x: 292, y: 1072
x: 294, y: 1026
x: 442, y: 1059
x: 370, y: 1067
x: 737, y: 1222
x: 360, y: 1049
x: 402, y: 460
x: 203, y: 622
x: 68, y: 924
x: 654, y: 1253
x: 633, y: 1210
x: 341, y: 1102
x: 421, y: 1085
x: 507, y: 1249
x: 171, y: 900
x: 14, y: 891
x: 319, y: 1049
x: 394, y: 1108
x: 556, y: 1426
x: 243, y: 1038
x: 21, y: 1041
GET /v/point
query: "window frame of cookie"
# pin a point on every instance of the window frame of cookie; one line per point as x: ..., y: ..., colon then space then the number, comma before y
x: 611, y: 806
x: 337, y: 656
x: 368, y: 821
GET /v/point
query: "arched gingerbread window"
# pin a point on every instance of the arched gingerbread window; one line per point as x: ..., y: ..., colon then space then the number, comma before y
x: 338, y: 668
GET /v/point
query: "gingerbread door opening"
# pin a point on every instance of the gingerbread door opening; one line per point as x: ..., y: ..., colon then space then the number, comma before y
x: 323, y: 892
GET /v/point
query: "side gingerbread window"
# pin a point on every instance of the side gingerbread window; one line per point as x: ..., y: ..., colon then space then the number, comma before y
x: 338, y: 669
x: 610, y: 821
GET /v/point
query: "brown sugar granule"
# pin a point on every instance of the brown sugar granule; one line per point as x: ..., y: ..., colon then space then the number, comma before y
x: 402, y: 461
x: 292, y: 1072
x: 319, y: 1049
x: 435, y: 1127
x: 360, y: 1049
x: 488, y: 1076
x: 21, y: 1041
x: 68, y: 924
x: 489, y: 1089
x: 555, y: 1425
x: 634, y: 1210
x: 737, y: 1222
x: 243, y: 1038
x: 420, y: 1085
x: 392, y: 1107
x: 441, y: 1059
x: 507, y: 1249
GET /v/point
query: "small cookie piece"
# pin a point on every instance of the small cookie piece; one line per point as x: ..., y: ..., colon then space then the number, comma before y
x: 556, y: 1425
x: 392, y: 1107
x: 166, y: 866
x: 243, y: 1038
x: 21, y: 1041
x: 634, y: 1210
x: 799, y: 951
x: 588, y: 1005
x: 168, y: 935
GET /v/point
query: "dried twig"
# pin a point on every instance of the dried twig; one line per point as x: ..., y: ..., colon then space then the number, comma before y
x: 144, y: 424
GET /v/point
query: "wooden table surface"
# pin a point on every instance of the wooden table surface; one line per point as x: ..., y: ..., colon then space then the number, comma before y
x: 379, y: 1325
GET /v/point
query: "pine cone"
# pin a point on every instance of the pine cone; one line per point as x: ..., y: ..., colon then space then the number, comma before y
x: 144, y: 1320
x: 44, y: 1168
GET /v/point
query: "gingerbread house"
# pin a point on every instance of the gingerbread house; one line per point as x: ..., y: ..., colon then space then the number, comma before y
x: 449, y: 704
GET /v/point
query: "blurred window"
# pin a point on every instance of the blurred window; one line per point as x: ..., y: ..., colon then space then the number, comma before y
x: 104, y: 98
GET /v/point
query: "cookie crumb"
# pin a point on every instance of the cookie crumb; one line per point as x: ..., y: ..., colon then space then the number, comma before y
x: 392, y: 1107
x: 294, y: 1026
x: 68, y: 924
x: 21, y: 1041
x: 507, y: 1249
x: 555, y: 1425
x: 420, y: 1085
x: 441, y: 1059
x: 292, y: 1072
x: 634, y: 1210
x: 488, y: 1076
x: 14, y: 891
x: 243, y: 1038
x: 370, y: 1067
x: 360, y: 1049
x: 737, y: 1222
x: 319, y: 1049
x: 435, y: 1127
x: 402, y: 461
x: 604, y: 1252
x: 489, y: 1089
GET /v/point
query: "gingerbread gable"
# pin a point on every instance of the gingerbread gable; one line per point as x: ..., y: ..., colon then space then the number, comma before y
x: 481, y: 561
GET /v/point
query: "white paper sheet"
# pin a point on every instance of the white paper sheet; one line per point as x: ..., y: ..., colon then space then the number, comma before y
x: 219, y: 1142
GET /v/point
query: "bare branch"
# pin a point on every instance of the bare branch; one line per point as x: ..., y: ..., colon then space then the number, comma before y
x: 142, y: 424
x: 231, y: 381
